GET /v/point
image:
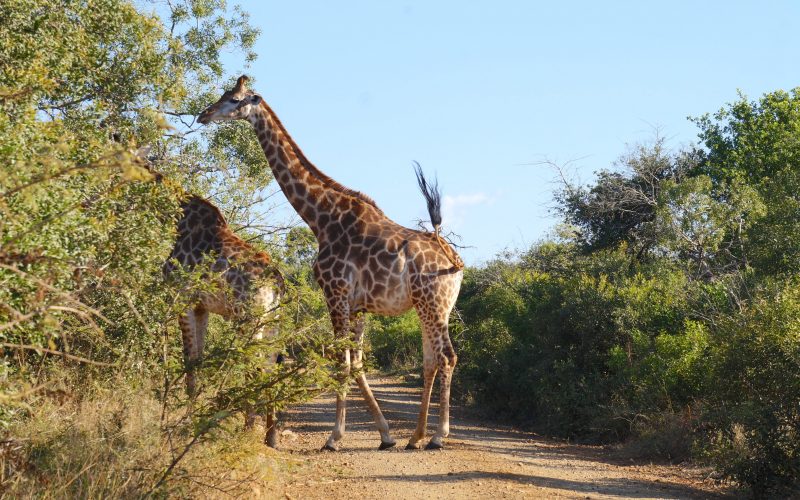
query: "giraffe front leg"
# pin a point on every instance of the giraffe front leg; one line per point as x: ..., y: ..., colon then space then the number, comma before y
x: 340, y: 317
x: 266, y: 300
x: 272, y: 437
x: 192, y: 324
x: 250, y: 414
x: 341, y: 405
x: 187, y: 335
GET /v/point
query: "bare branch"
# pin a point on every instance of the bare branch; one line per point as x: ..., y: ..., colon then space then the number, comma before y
x: 40, y: 349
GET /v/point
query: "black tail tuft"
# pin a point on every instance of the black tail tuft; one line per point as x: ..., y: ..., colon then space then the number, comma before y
x: 433, y: 197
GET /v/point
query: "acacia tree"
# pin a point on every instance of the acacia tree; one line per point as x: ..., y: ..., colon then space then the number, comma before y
x: 620, y: 207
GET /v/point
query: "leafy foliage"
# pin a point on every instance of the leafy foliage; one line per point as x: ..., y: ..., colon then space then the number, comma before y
x: 669, y: 318
x: 621, y: 205
x: 93, y: 97
x: 395, y: 342
x: 756, y: 144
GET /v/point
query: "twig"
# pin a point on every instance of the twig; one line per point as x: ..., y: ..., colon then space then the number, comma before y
x: 45, y: 177
x: 39, y: 349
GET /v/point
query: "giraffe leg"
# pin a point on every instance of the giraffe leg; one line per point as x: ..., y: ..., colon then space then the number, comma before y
x: 250, y: 415
x: 366, y: 392
x: 253, y: 314
x: 193, y: 326
x: 447, y: 361
x: 340, y: 317
x: 186, y: 323
x: 434, y: 304
x: 341, y: 405
x: 269, y: 300
x: 430, y: 368
x: 272, y: 437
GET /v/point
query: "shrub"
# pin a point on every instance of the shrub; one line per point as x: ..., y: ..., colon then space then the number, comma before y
x: 395, y: 343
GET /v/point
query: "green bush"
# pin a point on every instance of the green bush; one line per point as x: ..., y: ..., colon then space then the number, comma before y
x: 686, y: 346
x: 756, y: 411
x: 395, y: 342
x: 93, y: 96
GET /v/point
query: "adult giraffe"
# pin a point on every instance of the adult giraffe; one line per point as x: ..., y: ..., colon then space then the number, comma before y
x: 366, y: 261
x: 249, y: 289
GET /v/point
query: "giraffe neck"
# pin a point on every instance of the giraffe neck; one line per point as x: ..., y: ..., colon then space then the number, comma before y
x: 316, y: 197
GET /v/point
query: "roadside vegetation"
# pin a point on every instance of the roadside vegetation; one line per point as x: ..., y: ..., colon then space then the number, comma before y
x: 93, y: 97
x: 665, y: 313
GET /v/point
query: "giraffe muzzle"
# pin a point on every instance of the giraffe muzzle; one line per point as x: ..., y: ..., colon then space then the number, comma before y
x: 204, y: 117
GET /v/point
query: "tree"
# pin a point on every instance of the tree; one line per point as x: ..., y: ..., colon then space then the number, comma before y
x: 621, y: 205
x: 755, y: 143
x: 93, y: 96
x: 88, y: 89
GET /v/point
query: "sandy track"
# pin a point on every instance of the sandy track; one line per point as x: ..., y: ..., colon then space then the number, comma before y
x: 481, y: 460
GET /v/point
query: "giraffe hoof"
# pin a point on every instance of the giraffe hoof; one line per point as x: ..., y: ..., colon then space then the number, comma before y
x: 410, y: 446
x: 434, y: 446
x: 386, y: 446
x: 328, y: 447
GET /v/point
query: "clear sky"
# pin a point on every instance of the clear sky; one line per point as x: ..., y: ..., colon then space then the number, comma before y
x: 477, y: 92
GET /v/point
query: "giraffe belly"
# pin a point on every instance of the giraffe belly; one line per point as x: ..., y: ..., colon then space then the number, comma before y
x: 390, y: 296
x: 217, y: 303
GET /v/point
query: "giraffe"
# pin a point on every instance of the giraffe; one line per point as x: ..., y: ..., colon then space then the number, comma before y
x: 250, y: 284
x: 366, y: 263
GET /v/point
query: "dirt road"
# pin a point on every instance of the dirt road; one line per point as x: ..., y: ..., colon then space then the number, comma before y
x: 481, y: 460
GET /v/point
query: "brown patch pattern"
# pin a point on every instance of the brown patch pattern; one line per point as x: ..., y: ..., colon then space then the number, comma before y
x: 366, y: 262
x: 246, y: 282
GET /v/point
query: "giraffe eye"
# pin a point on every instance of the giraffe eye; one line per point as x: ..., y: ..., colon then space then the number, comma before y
x: 235, y: 101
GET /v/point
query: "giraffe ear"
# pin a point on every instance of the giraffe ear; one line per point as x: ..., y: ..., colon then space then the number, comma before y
x: 255, y: 99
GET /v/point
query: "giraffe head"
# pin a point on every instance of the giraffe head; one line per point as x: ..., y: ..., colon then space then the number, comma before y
x: 235, y: 104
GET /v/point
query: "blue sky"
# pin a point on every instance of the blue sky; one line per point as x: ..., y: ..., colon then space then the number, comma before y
x: 478, y: 92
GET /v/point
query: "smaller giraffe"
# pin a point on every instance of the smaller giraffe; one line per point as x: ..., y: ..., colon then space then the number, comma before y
x: 249, y: 284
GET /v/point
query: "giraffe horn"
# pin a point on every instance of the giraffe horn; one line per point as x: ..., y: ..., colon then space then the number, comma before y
x: 241, y: 83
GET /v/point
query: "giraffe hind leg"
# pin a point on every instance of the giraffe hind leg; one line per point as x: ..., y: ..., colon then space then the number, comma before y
x: 429, y: 375
x: 446, y: 363
x: 434, y: 303
x: 361, y: 378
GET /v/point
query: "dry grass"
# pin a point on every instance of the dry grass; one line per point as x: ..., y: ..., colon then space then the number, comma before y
x: 110, y: 443
x: 665, y: 436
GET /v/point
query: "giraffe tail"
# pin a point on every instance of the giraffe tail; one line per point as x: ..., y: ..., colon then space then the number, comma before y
x: 433, y: 198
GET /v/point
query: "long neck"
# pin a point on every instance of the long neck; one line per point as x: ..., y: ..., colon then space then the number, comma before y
x: 310, y: 191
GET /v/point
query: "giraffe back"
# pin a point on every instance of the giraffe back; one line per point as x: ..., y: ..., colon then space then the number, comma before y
x: 204, y: 236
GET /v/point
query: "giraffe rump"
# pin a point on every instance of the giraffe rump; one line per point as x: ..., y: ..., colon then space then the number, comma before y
x: 433, y: 197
